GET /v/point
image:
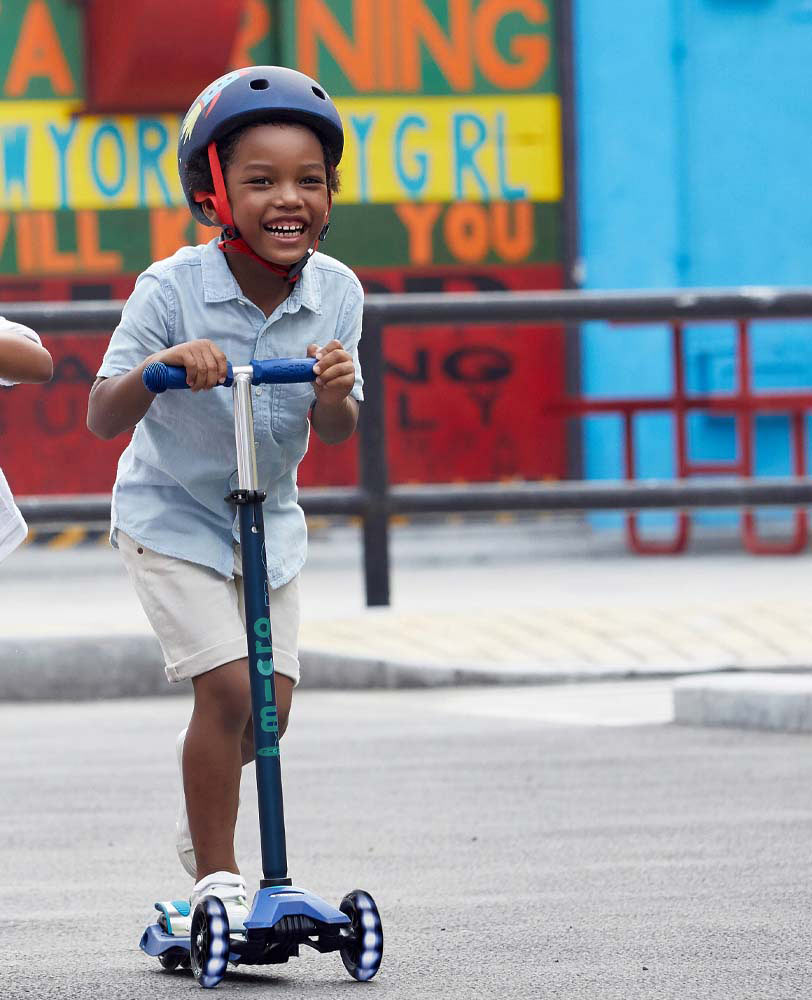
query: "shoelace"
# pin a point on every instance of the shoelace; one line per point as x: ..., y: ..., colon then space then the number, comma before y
x: 234, y: 896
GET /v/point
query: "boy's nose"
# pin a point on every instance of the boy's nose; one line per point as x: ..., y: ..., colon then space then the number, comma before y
x: 288, y: 194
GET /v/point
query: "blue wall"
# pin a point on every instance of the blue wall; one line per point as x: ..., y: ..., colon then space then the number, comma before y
x: 694, y: 135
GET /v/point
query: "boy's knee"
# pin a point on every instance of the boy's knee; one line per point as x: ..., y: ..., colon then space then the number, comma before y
x: 226, y: 693
x: 283, y: 713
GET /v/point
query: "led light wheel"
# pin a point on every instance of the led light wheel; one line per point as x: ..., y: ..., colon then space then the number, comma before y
x: 210, y: 941
x: 362, y: 950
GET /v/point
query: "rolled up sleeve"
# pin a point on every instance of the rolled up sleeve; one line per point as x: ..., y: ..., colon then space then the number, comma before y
x: 146, y: 327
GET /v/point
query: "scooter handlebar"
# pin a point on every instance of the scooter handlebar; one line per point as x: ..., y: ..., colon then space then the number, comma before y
x: 159, y: 377
x: 281, y: 370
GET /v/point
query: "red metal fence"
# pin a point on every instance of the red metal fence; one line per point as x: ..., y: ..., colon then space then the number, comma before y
x: 743, y: 404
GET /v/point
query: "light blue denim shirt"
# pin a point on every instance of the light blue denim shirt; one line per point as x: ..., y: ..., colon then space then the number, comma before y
x: 181, y: 463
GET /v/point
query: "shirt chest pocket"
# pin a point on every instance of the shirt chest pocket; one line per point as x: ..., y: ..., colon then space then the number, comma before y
x: 289, y: 411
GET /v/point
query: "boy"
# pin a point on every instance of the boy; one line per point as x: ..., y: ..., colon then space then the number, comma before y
x: 22, y: 359
x: 257, y: 154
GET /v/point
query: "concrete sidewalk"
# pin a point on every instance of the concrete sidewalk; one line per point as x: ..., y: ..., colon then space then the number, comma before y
x: 524, y: 601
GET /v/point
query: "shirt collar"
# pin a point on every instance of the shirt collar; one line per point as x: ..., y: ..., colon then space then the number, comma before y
x: 220, y: 285
x: 309, y: 287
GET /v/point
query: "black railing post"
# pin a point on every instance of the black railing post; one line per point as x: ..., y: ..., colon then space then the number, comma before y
x: 374, y: 470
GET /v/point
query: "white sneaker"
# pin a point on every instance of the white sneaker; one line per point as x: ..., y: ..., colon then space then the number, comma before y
x: 183, y: 838
x: 230, y: 889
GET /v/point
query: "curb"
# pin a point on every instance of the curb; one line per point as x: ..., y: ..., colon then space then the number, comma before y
x: 756, y: 701
x: 92, y: 668
x: 82, y: 669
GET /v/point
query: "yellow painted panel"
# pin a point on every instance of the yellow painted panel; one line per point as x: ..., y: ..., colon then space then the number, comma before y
x: 51, y: 157
x: 398, y: 149
x: 452, y: 148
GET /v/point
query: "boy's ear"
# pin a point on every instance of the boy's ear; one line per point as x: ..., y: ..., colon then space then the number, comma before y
x: 207, y: 205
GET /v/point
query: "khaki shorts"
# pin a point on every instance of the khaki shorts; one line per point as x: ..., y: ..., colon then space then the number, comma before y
x: 199, y: 616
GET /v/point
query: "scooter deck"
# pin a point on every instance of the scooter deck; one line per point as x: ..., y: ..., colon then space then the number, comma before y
x: 281, y: 919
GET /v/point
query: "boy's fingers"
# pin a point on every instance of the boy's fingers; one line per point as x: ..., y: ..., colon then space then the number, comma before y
x: 202, y: 375
x: 334, y: 357
x: 220, y: 359
x: 344, y: 370
x: 191, y: 369
x: 212, y: 369
x: 217, y: 367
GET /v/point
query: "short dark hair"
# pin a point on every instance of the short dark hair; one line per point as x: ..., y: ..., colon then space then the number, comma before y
x: 199, y: 172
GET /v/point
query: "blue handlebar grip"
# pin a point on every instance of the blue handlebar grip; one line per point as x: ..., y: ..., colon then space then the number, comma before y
x: 283, y: 370
x: 159, y: 377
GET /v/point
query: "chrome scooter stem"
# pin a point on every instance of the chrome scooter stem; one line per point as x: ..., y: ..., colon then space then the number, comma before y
x: 244, y: 429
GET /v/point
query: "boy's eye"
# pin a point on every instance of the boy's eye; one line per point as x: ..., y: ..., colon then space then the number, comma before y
x: 259, y: 180
x: 313, y: 180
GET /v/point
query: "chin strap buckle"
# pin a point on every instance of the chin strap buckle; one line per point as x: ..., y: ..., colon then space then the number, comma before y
x: 299, y: 266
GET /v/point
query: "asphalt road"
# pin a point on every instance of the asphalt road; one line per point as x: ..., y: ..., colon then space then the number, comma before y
x: 541, y: 842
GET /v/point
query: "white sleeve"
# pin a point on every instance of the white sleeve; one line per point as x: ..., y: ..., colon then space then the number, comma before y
x: 13, y: 528
x: 6, y: 326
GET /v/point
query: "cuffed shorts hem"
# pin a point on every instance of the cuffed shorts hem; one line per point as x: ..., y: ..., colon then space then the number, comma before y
x: 226, y: 652
x: 190, y: 607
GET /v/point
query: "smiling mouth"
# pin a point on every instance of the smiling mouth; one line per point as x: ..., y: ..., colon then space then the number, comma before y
x: 285, y: 232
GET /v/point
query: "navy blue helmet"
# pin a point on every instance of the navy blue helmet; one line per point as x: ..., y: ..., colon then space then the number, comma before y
x: 251, y: 94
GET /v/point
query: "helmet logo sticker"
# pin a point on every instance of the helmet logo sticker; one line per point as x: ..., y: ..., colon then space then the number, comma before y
x: 207, y: 100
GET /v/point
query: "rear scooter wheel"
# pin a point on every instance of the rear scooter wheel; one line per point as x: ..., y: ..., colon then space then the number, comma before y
x: 362, y: 950
x: 170, y: 960
x: 209, y: 941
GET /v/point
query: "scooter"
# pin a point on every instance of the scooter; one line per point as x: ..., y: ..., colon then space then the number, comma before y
x: 282, y: 917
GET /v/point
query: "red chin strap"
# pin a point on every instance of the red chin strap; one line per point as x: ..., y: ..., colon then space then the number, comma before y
x: 230, y: 240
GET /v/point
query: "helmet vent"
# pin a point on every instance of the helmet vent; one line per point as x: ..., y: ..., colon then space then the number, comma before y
x: 319, y: 93
x: 259, y: 84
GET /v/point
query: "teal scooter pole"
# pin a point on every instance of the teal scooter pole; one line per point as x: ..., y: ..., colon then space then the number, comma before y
x: 282, y: 917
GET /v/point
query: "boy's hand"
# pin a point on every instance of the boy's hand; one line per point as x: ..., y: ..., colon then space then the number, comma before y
x: 205, y: 363
x: 335, y: 372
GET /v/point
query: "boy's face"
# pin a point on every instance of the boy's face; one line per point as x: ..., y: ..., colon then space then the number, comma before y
x: 277, y: 185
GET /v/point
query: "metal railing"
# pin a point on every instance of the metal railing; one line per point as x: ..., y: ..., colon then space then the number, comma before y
x: 375, y: 500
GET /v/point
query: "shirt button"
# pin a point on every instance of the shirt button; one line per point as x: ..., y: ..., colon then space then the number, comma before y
x: 259, y: 390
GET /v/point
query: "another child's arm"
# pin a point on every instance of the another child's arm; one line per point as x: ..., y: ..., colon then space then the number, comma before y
x: 23, y: 359
x: 335, y: 413
x: 117, y: 403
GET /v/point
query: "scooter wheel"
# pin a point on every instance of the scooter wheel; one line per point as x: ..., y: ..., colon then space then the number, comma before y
x: 209, y: 941
x: 363, y: 948
x: 170, y: 960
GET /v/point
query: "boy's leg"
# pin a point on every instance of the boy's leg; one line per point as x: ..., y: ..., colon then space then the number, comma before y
x: 218, y: 742
x: 212, y: 763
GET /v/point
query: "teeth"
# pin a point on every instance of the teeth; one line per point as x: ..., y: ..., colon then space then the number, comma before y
x: 285, y: 229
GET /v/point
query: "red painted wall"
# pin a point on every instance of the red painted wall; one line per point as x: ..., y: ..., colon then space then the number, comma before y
x: 463, y: 403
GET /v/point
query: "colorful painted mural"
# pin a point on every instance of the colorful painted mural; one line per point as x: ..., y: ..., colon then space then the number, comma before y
x: 452, y: 180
